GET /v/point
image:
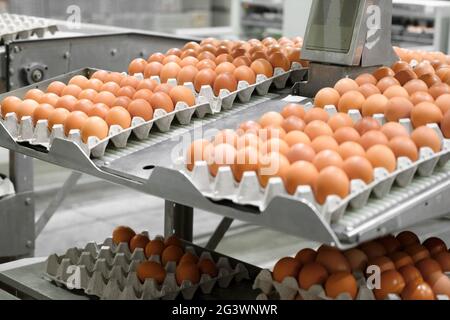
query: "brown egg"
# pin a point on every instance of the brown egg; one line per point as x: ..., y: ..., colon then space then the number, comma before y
x: 114, y: 77
x: 396, y: 91
x: 226, y: 136
x: 88, y: 94
x: 118, y: 116
x: 425, y: 113
x: 382, y: 262
x: 345, y: 85
x: 421, y: 96
x: 137, y: 66
x: 391, y: 282
x: 423, y: 68
x: 242, y: 61
x: 206, y: 55
x: 394, y: 129
x: 345, y: 134
x: 321, y: 143
x: 341, y: 282
x: 443, y: 258
x: 435, y: 245
x: 375, y: 104
x: 333, y: 261
x: 153, y: 69
x: 439, y: 89
x: 247, y: 159
x: 188, y: 258
x: 327, y: 96
x: 151, y: 270
x: 171, y: 58
x: 301, y: 152
x: 154, y: 248
x: 94, y: 127
x: 26, y: 108
x: 158, y: 57
x: 279, y: 60
x: 174, y: 51
x: 373, y: 249
x: 205, y: 77
x: 428, y: 267
x: 75, y: 120
x: 398, y: 108
x: 357, y: 167
x: 340, y: 120
x: 207, y: 266
x: 440, y: 283
x: 410, y: 274
x: 417, y: 291
x: 105, y: 97
x: 293, y: 123
x: 259, y: 54
x: 273, y: 164
x: 244, y: 73
x: 189, y: 60
x: 293, y: 109
x: 79, y: 80
x: 306, y: 256
x: 404, y: 147
x: 382, y: 157
x: 357, y: 259
x: 367, y: 124
x: 187, y: 74
x: 225, y: 67
x: 443, y: 102
x: 100, y: 75
x: 316, y: 114
x: 182, y: 94
x: 56, y: 87
x: 317, y: 128
x: 286, y: 267
x: 386, y: 83
x: 42, y: 112
x: 331, y: 181
x: 138, y: 241
x: 417, y: 252
x: 163, y: 87
x: 407, y: 238
x: 126, y: 91
x: 294, y: 137
x: 144, y: 94
x: 445, y: 125
x: 110, y: 87
x: 351, y: 100
x: 415, y: 85
x: 140, y: 108
x: 10, y: 104
x: 271, y: 118
x: 248, y: 139
x: 67, y: 102
x: 147, y: 84
x: 221, y: 155
x: 169, y: 71
x: 372, y: 138
x: 401, y: 259
x: 349, y: 149
x: 161, y: 100
x: 251, y: 126
x: 399, y: 66
x: 173, y: 241
x: 33, y: 94
x: 129, y: 81
x: 99, y: 110
x: 57, y: 116
x: 365, y: 78
x: 430, y: 79
x: 122, y: 234
x: 404, y: 76
x: 71, y: 90
x: 311, y: 274
x: 426, y: 137
x: 206, y: 64
x: 327, y: 158
x: 300, y: 173
x: 171, y: 253
x: 368, y: 89
x: 383, y: 72
x: 262, y: 66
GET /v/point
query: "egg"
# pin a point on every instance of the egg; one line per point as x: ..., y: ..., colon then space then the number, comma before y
x: 391, y: 244
x: 367, y: 124
x: 425, y: 113
x: 154, y: 248
x: 57, y: 116
x: 42, y: 112
x: 421, y: 96
x: 372, y: 138
x: 171, y: 253
x: 182, y: 94
x: 331, y: 181
x: 153, y: 69
x: 248, y: 139
x: 293, y: 123
x: 187, y: 272
x: 161, y: 100
x: 404, y: 147
x: 426, y: 137
x: 358, y: 167
x: 206, y: 64
x: 294, y: 137
x: 225, y: 67
x: 415, y: 85
x: 189, y: 258
x: 144, y: 94
x: 205, y: 77
x: 383, y: 72
x: 71, y: 90
x: 242, y: 61
x: 126, y: 91
x: 399, y: 66
x: 386, y: 83
x: 394, y: 129
x: 404, y: 76
x: 401, y: 259
x: 163, y: 87
x: 262, y: 66
x: 52, y: 99
x: 207, y: 266
x: 138, y: 241
x: 340, y: 120
x: 311, y: 274
x: 435, y: 245
x: 396, y: 91
x: 279, y: 60
x: 382, y: 262
x: 10, y: 104
x: 114, y: 77
x: 100, y: 75
x: 206, y: 55
x: 174, y: 51
x: 271, y: 118
x: 345, y: 85
x: 357, y: 259
x: 56, y: 87
x: 273, y: 164
x: 301, y: 152
x: 341, y: 282
x: 443, y: 258
x: 417, y: 252
x: 260, y: 55
x: 373, y: 249
x: 225, y: 81
x: 79, y: 80
x: 34, y: 94
x: 99, y: 110
x: 244, y: 73
x: 122, y: 234
x: 300, y: 173
x: 274, y: 145
x: 369, y: 89
x: 189, y: 59
x: 94, y: 127
x: 157, y: 56
x: 285, y: 267
x: 196, y: 152
x: 430, y: 79
x: 306, y: 256
x: 428, y: 267
x: 391, y: 282
x: 151, y: 270
x: 173, y: 241
x: 118, y: 116
x: 350, y: 149
x: 326, y: 96
x: 321, y: 143
x: 382, y: 157
x: 417, y: 291
x: 317, y: 128
x: 26, y: 108
x: 439, y: 89
x: 351, y: 100
x: 316, y: 114
x: 220, y: 155
x: 140, y: 108
x: 137, y: 66
x: 110, y: 87
x: 407, y: 238
x: 365, y: 78
x: 226, y: 136
x: 247, y: 159
x: 187, y: 74
x: 440, y: 283
x: 375, y: 104
x: 423, y: 68
x: 250, y: 126
x: 410, y: 274
x: 327, y: 158
x: 147, y: 84
x: 172, y: 58
x: 345, y: 134
x: 75, y: 120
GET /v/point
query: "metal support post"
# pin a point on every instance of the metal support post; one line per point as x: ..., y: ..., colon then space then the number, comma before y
x: 219, y: 233
x: 178, y: 220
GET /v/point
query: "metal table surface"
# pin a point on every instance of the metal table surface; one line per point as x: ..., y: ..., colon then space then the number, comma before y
x: 25, y: 279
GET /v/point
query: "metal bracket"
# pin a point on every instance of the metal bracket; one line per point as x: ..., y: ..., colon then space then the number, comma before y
x: 178, y: 220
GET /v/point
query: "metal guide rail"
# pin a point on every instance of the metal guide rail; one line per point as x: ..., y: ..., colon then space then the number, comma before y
x: 147, y: 166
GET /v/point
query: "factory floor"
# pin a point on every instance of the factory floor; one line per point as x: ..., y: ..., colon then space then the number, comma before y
x: 94, y: 208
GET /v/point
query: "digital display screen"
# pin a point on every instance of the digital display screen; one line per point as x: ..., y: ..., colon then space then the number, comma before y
x: 332, y: 25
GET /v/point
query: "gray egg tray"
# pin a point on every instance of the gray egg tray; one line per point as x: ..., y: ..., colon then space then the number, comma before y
x: 249, y: 191
x: 6, y: 187
x: 288, y: 289
x: 206, y: 103
x: 14, y: 26
x: 108, y: 272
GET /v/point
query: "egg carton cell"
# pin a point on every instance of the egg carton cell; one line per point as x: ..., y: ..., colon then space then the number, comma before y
x: 108, y: 271
x: 248, y: 191
x: 23, y: 130
x: 289, y: 289
x: 13, y: 26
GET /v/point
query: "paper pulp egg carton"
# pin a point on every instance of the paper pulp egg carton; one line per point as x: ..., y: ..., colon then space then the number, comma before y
x: 23, y: 130
x: 6, y: 186
x: 249, y: 191
x: 288, y: 289
x: 14, y: 26
x: 108, y: 272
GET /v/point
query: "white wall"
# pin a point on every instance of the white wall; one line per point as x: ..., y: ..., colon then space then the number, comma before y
x: 296, y: 15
